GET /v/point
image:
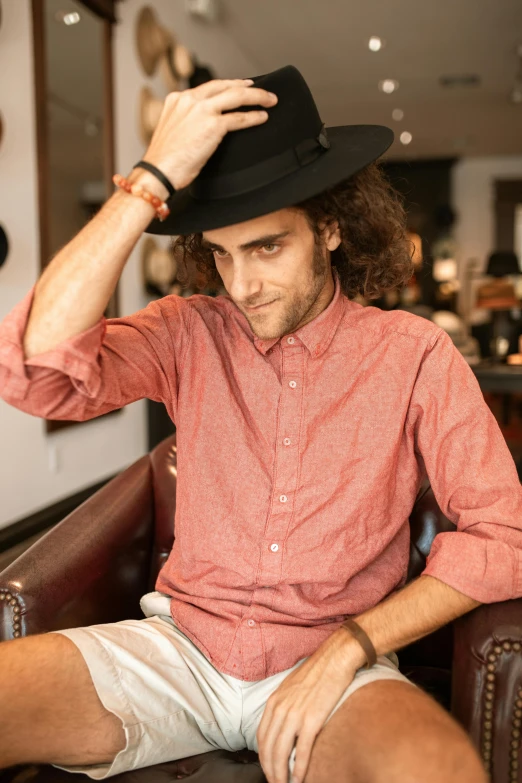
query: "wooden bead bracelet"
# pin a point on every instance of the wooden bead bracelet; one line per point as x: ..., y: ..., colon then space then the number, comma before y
x: 162, y: 210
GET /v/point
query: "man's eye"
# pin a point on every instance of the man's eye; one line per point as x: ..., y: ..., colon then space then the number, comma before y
x: 270, y: 246
x: 217, y: 252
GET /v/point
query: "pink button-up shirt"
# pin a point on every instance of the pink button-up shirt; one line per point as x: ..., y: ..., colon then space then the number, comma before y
x: 299, y: 461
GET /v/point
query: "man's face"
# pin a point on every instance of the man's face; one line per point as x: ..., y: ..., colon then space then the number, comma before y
x: 273, y: 260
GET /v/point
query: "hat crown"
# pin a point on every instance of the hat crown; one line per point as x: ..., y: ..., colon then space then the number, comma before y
x: 277, y: 163
x: 291, y: 120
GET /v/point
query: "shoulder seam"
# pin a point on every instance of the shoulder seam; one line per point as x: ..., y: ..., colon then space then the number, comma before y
x: 430, y: 341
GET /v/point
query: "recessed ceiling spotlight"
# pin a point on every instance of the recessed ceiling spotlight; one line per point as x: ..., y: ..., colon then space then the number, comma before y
x: 388, y: 85
x: 68, y: 17
x: 397, y: 115
x: 375, y: 44
x: 405, y: 137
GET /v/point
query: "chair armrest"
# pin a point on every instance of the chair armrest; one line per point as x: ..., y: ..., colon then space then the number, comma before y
x: 90, y: 568
x: 487, y: 683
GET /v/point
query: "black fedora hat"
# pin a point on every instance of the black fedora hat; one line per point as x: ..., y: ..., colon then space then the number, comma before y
x: 286, y: 159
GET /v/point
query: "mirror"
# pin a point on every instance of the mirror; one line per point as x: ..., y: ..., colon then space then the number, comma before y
x: 73, y: 81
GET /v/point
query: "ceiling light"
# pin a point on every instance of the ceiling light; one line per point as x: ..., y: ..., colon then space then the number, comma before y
x: 406, y: 137
x: 397, y: 114
x: 375, y: 43
x: 68, y: 17
x: 388, y: 85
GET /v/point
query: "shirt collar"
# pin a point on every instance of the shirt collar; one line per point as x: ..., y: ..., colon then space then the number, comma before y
x: 316, y: 335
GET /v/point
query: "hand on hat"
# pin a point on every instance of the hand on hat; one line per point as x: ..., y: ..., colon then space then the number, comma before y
x: 192, y: 125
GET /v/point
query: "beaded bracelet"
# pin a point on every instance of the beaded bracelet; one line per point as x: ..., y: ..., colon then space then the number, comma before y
x: 162, y: 210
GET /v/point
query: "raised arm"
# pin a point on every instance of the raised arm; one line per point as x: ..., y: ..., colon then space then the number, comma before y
x: 59, y: 356
x: 76, y: 286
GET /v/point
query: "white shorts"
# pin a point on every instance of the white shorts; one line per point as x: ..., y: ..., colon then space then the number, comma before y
x: 172, y: 701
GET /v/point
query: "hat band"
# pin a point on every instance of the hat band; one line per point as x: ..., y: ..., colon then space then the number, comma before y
x: 269, y: 170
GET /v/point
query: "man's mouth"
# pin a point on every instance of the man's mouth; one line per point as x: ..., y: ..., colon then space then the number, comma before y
x: 259, y: 307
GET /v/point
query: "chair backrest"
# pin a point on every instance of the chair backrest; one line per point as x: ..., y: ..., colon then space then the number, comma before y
x: 426, y: 518
x: 164, y: 474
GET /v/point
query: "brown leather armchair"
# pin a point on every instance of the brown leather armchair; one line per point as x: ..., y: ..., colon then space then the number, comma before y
x: 116, y: 542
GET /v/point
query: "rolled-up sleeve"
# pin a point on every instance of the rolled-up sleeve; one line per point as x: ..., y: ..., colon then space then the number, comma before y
x: 473, y: 476
x: 115, y: 362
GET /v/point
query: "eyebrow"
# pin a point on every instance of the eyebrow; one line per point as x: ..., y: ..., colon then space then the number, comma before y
x: 268, y: 239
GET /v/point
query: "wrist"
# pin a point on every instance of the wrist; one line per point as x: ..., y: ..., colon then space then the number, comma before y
x: 148, y: 181
x: 350, y: 652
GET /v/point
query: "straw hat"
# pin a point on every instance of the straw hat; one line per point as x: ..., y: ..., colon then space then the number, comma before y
x: 152, y: 40
x: 182, y: 61
x: 158, y: 266
x: 168, y: 76
x: 150, y: 109
x: 176, y: 65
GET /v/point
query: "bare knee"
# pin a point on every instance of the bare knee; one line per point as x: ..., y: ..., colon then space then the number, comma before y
x: 390, y: 732
x: 51, y: 712
x: 434, y: 749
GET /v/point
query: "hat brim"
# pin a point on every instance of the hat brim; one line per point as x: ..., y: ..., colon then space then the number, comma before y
x: 352, y: 147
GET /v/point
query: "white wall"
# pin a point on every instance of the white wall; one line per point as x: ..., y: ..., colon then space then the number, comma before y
x: 91, y: 451
x: 473, y: 197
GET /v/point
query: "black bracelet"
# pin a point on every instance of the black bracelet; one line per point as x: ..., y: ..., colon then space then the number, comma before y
x: 143, y: 164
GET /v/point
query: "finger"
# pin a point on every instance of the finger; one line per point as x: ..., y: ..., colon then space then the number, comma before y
x: 282, y: 750
x: 303, y: 752
x: 215, y: 86
x: 242, y: 96
x: 267, y: 738
x: 279, y: 741
x: 242, y: 119
x: 264, y: 723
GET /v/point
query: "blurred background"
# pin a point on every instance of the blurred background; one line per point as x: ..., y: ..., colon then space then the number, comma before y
x: 83, y: 85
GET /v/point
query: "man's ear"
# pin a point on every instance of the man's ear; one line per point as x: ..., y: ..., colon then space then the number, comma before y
x: 332, y: 235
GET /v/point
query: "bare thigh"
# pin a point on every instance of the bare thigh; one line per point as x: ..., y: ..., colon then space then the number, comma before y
x: 390, y: 732
x: 51, y: 712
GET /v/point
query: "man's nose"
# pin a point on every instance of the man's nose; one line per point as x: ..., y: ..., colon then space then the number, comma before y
x: 244, y: 288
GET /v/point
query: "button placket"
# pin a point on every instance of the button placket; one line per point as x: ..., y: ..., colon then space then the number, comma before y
x: 286, y: 468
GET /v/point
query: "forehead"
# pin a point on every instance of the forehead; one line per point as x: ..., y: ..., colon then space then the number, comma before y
x: 275, y: 222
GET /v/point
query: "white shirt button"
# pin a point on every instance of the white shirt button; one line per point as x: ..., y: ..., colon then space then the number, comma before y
x: 290, y: 340
x: 283, y: 498
x: 274, y: 547
x: 251, y: 622
x: 287, y: 441
x: 292, y: 384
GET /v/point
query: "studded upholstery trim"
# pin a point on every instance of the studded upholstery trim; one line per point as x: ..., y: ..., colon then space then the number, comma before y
x: 9, y: 599
x: 487, y: 720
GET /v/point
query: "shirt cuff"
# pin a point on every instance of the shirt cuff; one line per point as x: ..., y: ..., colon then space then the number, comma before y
x: 485, y: 569
x: 75, y: 357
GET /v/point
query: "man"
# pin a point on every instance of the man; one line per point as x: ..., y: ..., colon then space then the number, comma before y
x: 305, y: 424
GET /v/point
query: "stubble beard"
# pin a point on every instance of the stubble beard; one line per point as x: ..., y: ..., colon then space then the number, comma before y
x: 302, y: 303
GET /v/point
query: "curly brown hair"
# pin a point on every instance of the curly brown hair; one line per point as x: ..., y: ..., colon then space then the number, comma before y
x: 375, y: 254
